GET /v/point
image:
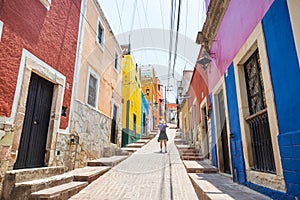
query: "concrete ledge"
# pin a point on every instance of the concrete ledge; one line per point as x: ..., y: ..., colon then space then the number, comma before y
x: 24, y: 189
x: 110, y: 161
x: 19, y: 183
x: 60, y: 192
x: 135, y: 145
x: 131, y: 150
x: 218, y: 187
x: 88, y: 174
x: 195, y: 158
x: 145, y: 141
x: 199, y: 167
x: 22, y: 175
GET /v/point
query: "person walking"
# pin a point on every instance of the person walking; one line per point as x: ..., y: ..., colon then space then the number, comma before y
x: 162, y: 126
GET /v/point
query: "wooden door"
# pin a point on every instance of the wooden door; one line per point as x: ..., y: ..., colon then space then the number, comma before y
x: 113, y: 136
x: 223, y: 134
x: 32, y: 145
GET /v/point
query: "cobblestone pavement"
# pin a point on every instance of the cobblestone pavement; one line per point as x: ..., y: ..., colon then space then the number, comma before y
x: 145, y: 175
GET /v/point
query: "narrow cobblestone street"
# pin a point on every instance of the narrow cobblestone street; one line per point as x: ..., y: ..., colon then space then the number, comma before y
x: 147, y: 174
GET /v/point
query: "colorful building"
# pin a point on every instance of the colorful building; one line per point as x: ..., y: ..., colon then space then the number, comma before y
x: 132, y: 101
x: 144, y: 116
x: 148, y: 81
x: 198, y: 108
x: 37, y: 61
x: 159, y: 106
x: 97, y: 93
x: 252, y: 78
x: 183, y: 103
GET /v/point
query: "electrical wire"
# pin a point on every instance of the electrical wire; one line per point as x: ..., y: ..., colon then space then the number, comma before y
x: 186, y: 22
x: 172, y: 18
x: 176, y: 40
x: 147, y: 22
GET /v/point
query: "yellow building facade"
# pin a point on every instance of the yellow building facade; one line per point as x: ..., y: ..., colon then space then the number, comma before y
x: 185, y: 119
x: 131, y: 101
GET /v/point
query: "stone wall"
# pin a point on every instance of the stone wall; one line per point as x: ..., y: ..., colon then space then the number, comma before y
x: 93, y: 129
x: 6, y: 138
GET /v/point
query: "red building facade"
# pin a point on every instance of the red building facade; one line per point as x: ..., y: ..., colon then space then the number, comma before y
x: 37, y: 60
x: 198, y: 108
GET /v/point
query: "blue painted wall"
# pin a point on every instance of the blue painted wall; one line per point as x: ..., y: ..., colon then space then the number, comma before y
x: 144, y: 109
x: 213, y: 135
x: 236, y: 148
x: 285, y: 73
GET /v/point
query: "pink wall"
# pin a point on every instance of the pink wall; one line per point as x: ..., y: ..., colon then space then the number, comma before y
x: 239, y: 21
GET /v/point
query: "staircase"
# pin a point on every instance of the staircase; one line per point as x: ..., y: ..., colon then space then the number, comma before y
x: 51, y: 182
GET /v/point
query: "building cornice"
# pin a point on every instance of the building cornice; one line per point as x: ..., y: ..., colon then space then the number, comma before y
x: 215, y: 13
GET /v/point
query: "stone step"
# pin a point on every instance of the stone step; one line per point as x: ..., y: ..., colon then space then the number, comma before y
x: 61, y: 192
x: 22, y: 191
x: 22, y: 175
x: 89, y: 174
x: 180, y: 141
x: 217, y: 187
x: 191, y: 154
x: 199, y: 167
x: 108, y: 161
x: 120, y: 152
x: 191, y: 151
x: 135, y: 145
x: 130, y: 150
x: 145, y: 141
x: 184, y: 147
x: 192, y: 157
x: 146, y: 137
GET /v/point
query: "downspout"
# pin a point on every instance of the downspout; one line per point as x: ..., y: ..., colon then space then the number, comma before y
x: 76, y: 71
x: 78, y: 58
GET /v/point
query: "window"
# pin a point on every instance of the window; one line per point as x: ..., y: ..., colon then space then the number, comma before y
x: 253, y: 56
x: 116, y: 61
x: 92, y: 88
x: 100, y: 34
x: 261, y: 142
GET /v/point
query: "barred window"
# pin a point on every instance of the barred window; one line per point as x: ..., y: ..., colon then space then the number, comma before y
x: 261, y: 142
x: 92, y: 90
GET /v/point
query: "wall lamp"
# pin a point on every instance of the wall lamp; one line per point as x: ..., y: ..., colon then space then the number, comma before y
x: 147, y: 91
x: 204, y: 61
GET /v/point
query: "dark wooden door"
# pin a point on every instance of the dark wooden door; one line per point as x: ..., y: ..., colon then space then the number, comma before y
x: 224, y: 137
x: 32, y: 145
x: 113, y: 135
x: 134, y: 126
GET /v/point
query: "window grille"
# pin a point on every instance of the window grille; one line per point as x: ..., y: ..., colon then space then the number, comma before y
x: 261, y: 142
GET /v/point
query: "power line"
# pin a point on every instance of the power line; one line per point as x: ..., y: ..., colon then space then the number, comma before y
x: 172, y: 18
x: 147, y: 22
x: 176, y: 41
x: 186, y: 22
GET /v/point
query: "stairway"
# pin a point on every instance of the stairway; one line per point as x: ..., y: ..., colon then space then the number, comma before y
x: 48, y: 182
x: 133, y: 147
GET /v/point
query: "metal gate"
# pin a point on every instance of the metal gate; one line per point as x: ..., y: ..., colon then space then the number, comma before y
x: 32, y: 147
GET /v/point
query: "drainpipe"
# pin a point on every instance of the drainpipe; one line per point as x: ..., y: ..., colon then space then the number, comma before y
x: 78, y: 59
